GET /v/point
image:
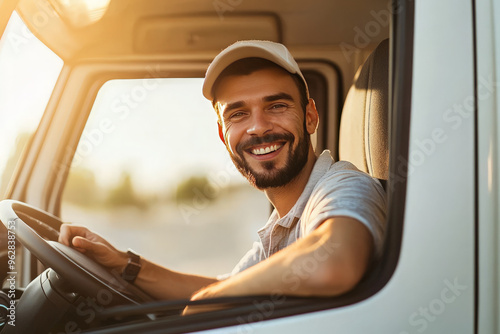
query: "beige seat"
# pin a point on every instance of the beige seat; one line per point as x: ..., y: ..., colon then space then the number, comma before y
x: 363, y: 138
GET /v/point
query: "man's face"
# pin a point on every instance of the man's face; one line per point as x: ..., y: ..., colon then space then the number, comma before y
x: 264, y: 126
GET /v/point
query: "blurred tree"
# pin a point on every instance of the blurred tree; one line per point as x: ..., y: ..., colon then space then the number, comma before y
x: 81, y: 188
x: 196, y: 188
x: 124, y: 195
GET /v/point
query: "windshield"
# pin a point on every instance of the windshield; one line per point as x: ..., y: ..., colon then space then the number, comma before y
x: 150, y: 163
x: 28, y: 73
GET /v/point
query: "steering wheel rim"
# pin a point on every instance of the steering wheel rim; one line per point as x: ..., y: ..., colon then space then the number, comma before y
x: 84, y: 276
x: 48, y: 229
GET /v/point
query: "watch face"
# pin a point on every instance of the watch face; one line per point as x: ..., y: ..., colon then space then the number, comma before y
x: 133, y: 267
x: 133, y: 256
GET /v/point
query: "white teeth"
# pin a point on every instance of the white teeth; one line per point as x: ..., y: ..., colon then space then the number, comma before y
x: 269, y: 149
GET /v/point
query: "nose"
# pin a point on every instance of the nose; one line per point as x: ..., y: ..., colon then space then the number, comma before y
x: 260, y: 124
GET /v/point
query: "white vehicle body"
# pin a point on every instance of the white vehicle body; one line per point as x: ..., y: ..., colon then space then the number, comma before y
x: 445, y: 246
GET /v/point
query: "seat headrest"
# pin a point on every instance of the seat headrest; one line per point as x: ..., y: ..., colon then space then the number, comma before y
x: 363, y: 136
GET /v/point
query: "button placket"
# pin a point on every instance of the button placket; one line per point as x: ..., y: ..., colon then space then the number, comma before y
x: 273, y: 243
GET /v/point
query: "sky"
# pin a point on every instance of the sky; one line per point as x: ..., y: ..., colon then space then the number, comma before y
x: 162, y: 130
x: 28, y: 71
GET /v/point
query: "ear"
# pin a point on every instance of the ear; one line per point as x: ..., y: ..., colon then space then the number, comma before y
x: 312, y: 117
x: 221, y: 133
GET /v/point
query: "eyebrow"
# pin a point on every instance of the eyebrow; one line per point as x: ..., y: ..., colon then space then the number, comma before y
x: 232, y: 106
x: 279, y: 96
x: 269, y: 98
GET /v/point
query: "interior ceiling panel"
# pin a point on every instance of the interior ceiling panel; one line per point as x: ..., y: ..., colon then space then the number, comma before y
x: 338, y: 21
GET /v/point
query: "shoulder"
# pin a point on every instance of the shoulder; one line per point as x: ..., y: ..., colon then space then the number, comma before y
x: 346, y: 191
x: 343, y: 165
x: 343, y: 175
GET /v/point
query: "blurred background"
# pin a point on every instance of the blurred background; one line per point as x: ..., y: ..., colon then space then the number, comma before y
x: 150, y: 172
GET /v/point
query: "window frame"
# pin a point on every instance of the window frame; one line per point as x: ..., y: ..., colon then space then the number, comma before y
x: 72, y: 120
x: 400, y: 82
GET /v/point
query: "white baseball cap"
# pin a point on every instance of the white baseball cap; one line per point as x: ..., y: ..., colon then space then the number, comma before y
x: 275, y: 52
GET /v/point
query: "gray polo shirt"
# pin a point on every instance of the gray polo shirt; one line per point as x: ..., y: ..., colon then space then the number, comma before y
x: 333, y: 189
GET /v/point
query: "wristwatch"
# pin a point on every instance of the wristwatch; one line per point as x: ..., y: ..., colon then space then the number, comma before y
x: 133, y: 266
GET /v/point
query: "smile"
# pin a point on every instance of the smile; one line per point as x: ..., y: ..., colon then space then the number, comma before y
x: 266, y: 150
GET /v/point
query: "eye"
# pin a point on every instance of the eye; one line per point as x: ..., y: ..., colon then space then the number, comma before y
x: 236, y: 115
x: 278, y: 107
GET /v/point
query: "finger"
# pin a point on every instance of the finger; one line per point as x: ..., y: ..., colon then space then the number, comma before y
x: 193, y: 309
x: 65, y: 235
x: 67, y: 232
x: 82, y: 244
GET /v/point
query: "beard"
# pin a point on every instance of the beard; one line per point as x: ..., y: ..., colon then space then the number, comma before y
x: 273, y: 177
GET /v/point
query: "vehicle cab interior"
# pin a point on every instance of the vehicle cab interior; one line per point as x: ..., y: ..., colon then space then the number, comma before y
x: 105, y: 126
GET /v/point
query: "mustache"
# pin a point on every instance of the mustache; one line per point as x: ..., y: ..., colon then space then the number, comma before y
x: 264, y: 140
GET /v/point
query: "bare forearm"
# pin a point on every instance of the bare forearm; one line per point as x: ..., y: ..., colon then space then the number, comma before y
x: 285, y: 273
x: 154, y: 279
x: 328, y: 262
x: 163, y: 283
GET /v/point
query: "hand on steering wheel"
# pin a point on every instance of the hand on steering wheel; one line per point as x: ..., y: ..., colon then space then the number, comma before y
x: 93, y: 245
x: 84, y: 275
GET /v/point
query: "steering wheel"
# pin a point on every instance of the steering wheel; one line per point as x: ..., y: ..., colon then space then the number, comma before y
x: 83, y: 275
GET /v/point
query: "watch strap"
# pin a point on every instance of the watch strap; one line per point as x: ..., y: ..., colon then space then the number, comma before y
x: 133, y: 266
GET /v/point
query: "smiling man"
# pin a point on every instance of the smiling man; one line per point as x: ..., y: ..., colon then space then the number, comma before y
x: 328, y: 222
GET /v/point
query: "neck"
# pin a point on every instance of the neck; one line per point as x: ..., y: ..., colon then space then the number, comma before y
x: 284, y: 198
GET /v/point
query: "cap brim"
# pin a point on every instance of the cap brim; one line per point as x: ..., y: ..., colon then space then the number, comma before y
x: 249, y: 50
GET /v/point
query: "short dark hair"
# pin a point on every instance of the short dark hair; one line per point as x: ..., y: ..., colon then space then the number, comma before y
x: 247, y: 66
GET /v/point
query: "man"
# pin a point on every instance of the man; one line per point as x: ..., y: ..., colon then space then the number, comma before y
x: 328, y: 221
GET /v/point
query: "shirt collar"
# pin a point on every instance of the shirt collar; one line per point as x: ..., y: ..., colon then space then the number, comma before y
x: 321, y: 166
